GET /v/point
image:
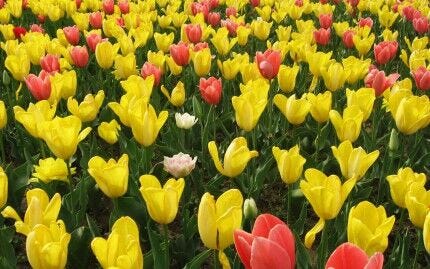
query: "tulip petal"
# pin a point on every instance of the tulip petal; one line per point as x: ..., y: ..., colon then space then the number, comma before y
x: 310, y: 236
x: 264, y: 223
x: 268, y: 254
x: 375, y: 262
x: 99, y: 247
x: 207, y: 221
x: 343, y: 255
x: 213, y: 151
x: 243, y: 242
x: 282, y: 235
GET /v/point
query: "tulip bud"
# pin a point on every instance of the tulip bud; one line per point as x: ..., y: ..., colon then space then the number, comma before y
x: 250, y: 209
x: 393, y: 145
x: 5, y: 78
x: 179, y: 165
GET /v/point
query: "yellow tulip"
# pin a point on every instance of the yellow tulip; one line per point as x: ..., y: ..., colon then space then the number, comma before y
x: 287, y: 77
x: 87, y: 110
x: 401, y: 182
x: 363, y: 43
x: 81, y: 20
x: 261, y: 29
x: 122, y: 108
x: 164, y: 21
x: 138, y: 87
x: 63, y: 85
x: 111, y: 28
x: 125, y: 66
x: 106, y: 53
x: 173, y: 67
x: 290, y: 163
x: 334, y: 76
x: 4, y: 18
x: 356, y: 68
x: 317, y: 61
x: 177, y: 98
x: 162, y: 202
x: 295, y: 110
x: 202, y: 60
x: 62, y: 135
x: 283, y: 33
x: 157, y: 58
x: 111, y: 176
x: 3, y: 187
x: 14, y: 7
x: 18, y: 65
x: 242, y: 35
x: 50, y: 169
x: 179, y: 19
x: 326, y: 196
x: 47, y: 246
x: 412, y: 114
x: 417, y: 202
x: 3, y: 115
x: 249, y: 72
x: 163, y: 41
x: 122, y: 248
x: 348, y: 126
x: 108, y: 131
x: 35, y: 51
x: 35, y: 114
x: 387, y: 17
x: 236, y: 157
x: 340, y: 28
x: 363, y: 98
x: 221, y: 42
x: 320, y: 105
x: 40, y: 210
x: 369, y: 227
x: 426, y: 231
x: 126, y: 45
x: 229, y: 68
x: 7, y: 32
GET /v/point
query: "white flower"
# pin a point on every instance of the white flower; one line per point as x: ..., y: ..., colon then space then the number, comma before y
x: 185, y: 121
x: 179, y: 165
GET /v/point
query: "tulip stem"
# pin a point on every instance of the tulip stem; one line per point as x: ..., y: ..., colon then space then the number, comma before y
x: 205, y: 129
x: 418, y: 248
x: 322, y: 249
x: 42, y: 149
x: 216, y: 261
x: 166, y: 242
x: 289, y: 192
x: 70, y: 178
x: 3, y: 154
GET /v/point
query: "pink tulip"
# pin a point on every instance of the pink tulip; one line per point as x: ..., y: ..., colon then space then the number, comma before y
x: 349, y: 256
x: 268, y: 63
x: 422, y: 78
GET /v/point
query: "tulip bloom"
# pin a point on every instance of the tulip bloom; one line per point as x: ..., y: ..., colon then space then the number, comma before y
x: 347, y: 39
x: 180, y: 53
x: 376, y: 79
x: 179, y: 165
x: 325, y: 20
x: 268, y: 63
x: 50, y: 63
x: 412, y: 114
x: 287, y: 77
x: 290, y: 163
x: 96, y: 20
x: 326, y: 194
x: 47, y: 246
x: 35, y: 114
x: 385, y: 51
x: 149, y: 69
x: 294, y: 110
x: 364, y: 98
x: 348, y: 126
x: 108, y: 131
x: 401, y: 182
x: 164, y: 41
x: 320, y: 105
x: 72, y: 34
x: 40, y: 210
x: 194, y: 33
x: 79, y: 56
x: 122, y: 248
x: 334, y: 76
x: 162, y: 202
x: 422, y: 78
x: 322, y: 36
x: 421, y: 25
x: 369, y: 227
x: 3, y: 187
x: 185, y: 121
x: 350, y: 256
x: 50, y: 169
x: 125, y: 66
x: 211, y: 90
x: 62, y: 135
x: 39, y: 86
x: 106, y: 53
x: 426, y: 231
x: 202, y: 62
x: 236, y: 157
x: 87, y: 110
x: 417, y: 202
x: 270, y: 245
x: 18, y: 65
x: 177, y: 97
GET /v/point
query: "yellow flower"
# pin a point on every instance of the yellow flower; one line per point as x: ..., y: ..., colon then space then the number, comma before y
x: 125, y: 66
x: 157, y: 58
x: 173, y: 67
x: 126, y: 45
x: 417, y: 202
x: 4, y: 19
x: 340, y: 28
x: 35, y: 50
x: 40, y: 210
x: 63, y: 86
x: 261, y: 29
x: 3, y: 115
x: 110, y: 176
x: 283, y: 33
x: 35, y: 114
x: 108, y: 131
x: 400, y: 184
x: 334, y: 76
x: 81, y: 20
x: 250, y: 71
x: 7, y: 32
x: 294, y: 110
x: 106, y: 53
x: 229, y: 68
x: 369, y: 227
x: 138, y: 87
x: 221, y: 42
x: 177, y: 98
x: 87, y: 110
x: 122, y: 248
x: 202, y: 62
x: 236, y: 157
x: 356, y: 68
x: 164, y: 21
x: 47, y: 245
x: 412, y: 114
x: 363, y: 98
x: 347, y: 127
x: 290, y: 163
x: 50, y: 169
x: 218, y: 219
x: 3, y: 187
x: 287, y: 77
x: 426, y: 231
x: 363, y: 43
x: 18, y: 65
x: 387, y: 17
x: 163, y: 41
x: 242, y: 35
x: 162, y: 202
x: 62, y: 135
x: 320, y: 105
x: 317, y: 61
x: 14, y: 7
x: 326, y: 196
x: 353, y: 162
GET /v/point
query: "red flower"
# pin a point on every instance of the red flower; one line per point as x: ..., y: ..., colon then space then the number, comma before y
x: 1, y: 3
x: 230, y: 25
x: 200, y: 46
x: 270, y: 245
x: 78, y: 3
x: 385, y: 51
x: 108, y: 6
x: 322, y: 36
x: 421, y: 25
x: 214, y: 18
x: 422, y: 78
x: 230, y: 11
x: 124, y: 6
x: 298, y: 3
x: 39, y: 86
x: 194, y: 32
x: 96, y: 20
x: 72, y: 34
x: 149, y: 69
x: 79, y: 56
x: 268, y: 63
x: 347, y: 38
x: 376, y: 79
x: 211, y: 90
x: 19, y: 31
x: 325, y: 20
x: 50, y: 63
x: 92, y: 41
x: 365, y: 22
x: 349, y: 256
x: 200, y: 8
x: 408, y: 12
x: 180, y: 53
x: 36, y: 28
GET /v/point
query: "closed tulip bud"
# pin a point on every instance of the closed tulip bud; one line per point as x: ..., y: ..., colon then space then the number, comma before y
x: 62, y: 135
x: 385, y: 51
x: 412, y: 114
x: 211, y: 90
x: 50, y: 63
x: 295, y: 110
x: 108, y: 6
x: 106, y: 53
x: 180, y: 53
x: 348, y: 126
x: 320, y: 105
x: 417, y: 200
x: 164, y: 41
x: 401, y: 183
x: 393, y: 144
x: 334, y: 76
x: 39, y: 86
x: 326, y: 196
x: 287, y: 77
x: 18, y: 65
x: 325, y: 20
x: 179, y: 165
x: 3, y: 115
x: 268, y: 63
x: 322, y: 36
x: 96, y: 19
x: 422, y: 78
x: 72, y: 34
x: 177, y: 97
x: 363, y: 98
x: 79, y: 56
x: 347, y: 39
x: 3, y: 187
x: 194, y: 33
x: 290, y: 163
x: 47, y: 246
x: 40, y: 210
x: 93, y: 40
x: 162, y: 202
x: 149, y: 69
x: 214, y: 18
x: 121, y: 247
x: 124, y: 6
x: 51, y: 169
x: 185, y: 121
x: 347, y: 252
x: 250, y: 210
x: 236, y: 157
x: 202, y: 62
x: 421, y: 25
x: 35, y: 114
x: 5, y: 78
x: 87, y: 110
x: 108, y: 131
x: 111, y: 176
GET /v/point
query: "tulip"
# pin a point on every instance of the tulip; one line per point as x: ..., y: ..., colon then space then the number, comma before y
x: 295, y: 110
x: 177, y: 98
x: 369, y: 227
x: 347, y: 39
x: 179, y: 165
x: 96, y: 19
x: 214, y: 18
x: 51, y: 169
x: 322, y: 36
x: 287, y: 77
x: 108, y: 6
x: 421, y: 25
x: 62, y: 135
x: 365, y: 22
x: 268, y: 63
x: 250, y: 209
x: 348, y: 126
x: 185, y: 121
x: 326, y: 196
x: 173, y: 67
x: 417, y: 200
x: 290, y: 163
x: 3, y: 187
x: 261, y: 29
x: 334, y: 76
x: 376, y: 79
x: 386, y: 16
x: 19, y: 32
x: 426, y: 230
x: 194, y: 33
x: 221, y: 42
x: 270, y: 245
x: 18, y: 65
x: 39, y: 86
x: 363, y: 43
x: 180, y: 53
x: 40, y: 210
x: 242, y: 35
x: 87, y: 110
x: 106, y: 53
x: 202, y: 62
x: 72, y: 34
x: 325, y: 20
x: 149, y: 69
x: 50, y: 63
x: 422, y: 78
x: 385, y: 51
x: 343, y: 255
x: 363, y: 98
x: 320, y: 105
x: 164, y: 41
x: 124, y: 6
x: 63, y: 86
x: 249, y: 72
x: 136, y: 86
x: 108, y: 131
x: 412, y: 114
x: 125, y: 66
x: 35, y: 114
x: 317, y: 60
x: 211, y: 90
x: 47, y: 246
x: 3, y: 115
x: 229, y: 68
x: 93, y: 40
x: 357, y: 68
x: 122, y: 248
x: 79, y: 56
x: 400, y: 184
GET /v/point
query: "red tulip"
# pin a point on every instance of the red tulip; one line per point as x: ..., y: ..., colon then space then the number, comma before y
x: 255, y: 3
x: 385, y: 51
x: 231, y: 26
x: 36, y: 28
x: 325, y: 20
x: 180, y: 53
x: 200, y: 8
x: 108, y: 6
x: 211, y: 90
x: 194, y: 32
x: 78, y: 3
x: 422, y: 78
x: 79, y: 56
x: 214, y: 18
x: 200, y: 46
x: 41, y: 18
x: 92, y: 41
x: 124, y: 6
x: 298, y: 3
x: 72, y: 34
x: 19, y: 31
x: 1, y: 3
x: 39, y: 86
x: 347, y: 38
x: 268, y: 63
x: 322, y: 36
x: 421, y: 25
x: 408, y: 12
x: 50, y: 63
x: 149, y: 69
x: 365, y: 22
x: 376, y: 79
x: 349, y: 256
x: 230, y: 11
x: 96, y: 20
x: 270, y: 245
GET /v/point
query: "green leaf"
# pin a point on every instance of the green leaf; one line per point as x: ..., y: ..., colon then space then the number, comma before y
x: 7, y: 252
x: 197, y: 108
x: 80, y: 243
x: 158, y: 253
x: 198, y: 260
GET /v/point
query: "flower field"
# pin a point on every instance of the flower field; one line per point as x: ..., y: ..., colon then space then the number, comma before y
x: 214, y: 134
